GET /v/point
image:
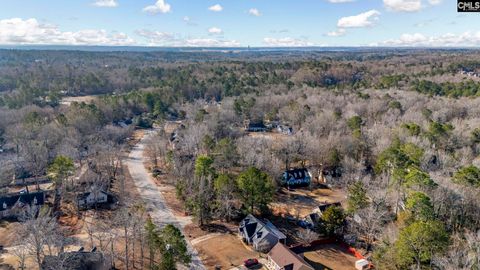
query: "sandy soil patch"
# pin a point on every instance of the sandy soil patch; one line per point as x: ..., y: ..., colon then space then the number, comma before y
x: 69, y: 100
x: 331, y: 256
x: 300, y: 202
x: 226, y: 251
x: 7, y: 233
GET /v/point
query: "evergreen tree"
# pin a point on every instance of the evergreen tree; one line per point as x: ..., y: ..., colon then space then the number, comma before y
x: 357, y: 197
x: 256, y: 188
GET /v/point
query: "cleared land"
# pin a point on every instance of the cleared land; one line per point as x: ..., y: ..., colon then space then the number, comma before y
x: 226, y: 251
x: 69, y: 100
x: 331, y: 256
x: 301, y: 202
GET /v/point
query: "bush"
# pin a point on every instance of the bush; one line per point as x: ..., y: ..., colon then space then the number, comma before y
x: 143, y: 122
x: 412, y: 128
x: 468, y: 176
x: 355, y: 122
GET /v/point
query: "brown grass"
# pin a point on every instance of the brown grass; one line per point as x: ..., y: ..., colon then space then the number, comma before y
x: 301, y: 202
x: 226, y: 251
x: 331, y: 256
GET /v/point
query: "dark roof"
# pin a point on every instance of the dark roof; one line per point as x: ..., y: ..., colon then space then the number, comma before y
x: 297, y: 173
x: 324, y: 207
x: 83, y: 196
x: 251, y: 228
x: 77, y: 260
x: 256, y: 125
x: 287, y: 259
x: 253, y: 225
x: 250, y: 224
x: 10, y: 200
x: 314, y: 217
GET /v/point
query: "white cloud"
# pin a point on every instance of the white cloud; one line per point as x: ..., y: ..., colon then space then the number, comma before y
x: 209, y: 42
x: 361, y: 20
x: 340, y: 32
x: 159, y: 7
x: 466, y: 39
x: 409, y: 5
x: 286, y: 42
x: 434, y: 2
x: 156, y: 38
x: 105, y: 3
x: 186, y: 19
x: 215, y: 31
x: 17, y: 31
x: 403, y: 5
x: 216, y: 8
x: 254, y: 12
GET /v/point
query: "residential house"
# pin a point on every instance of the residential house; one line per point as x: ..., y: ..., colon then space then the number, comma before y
x: 282, y: 258
x: 470, y: 72
x: 77, y: 260
x: 262, y: 235
x: 285, y: 129
x: 12, y: 205
x: 255, y: 127
x: 296, y: 177
x: 93, y: 198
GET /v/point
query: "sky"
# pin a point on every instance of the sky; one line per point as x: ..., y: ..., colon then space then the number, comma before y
x: 238, y: 23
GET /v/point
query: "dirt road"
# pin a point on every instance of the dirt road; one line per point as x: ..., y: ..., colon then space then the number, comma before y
x: 153, y: 198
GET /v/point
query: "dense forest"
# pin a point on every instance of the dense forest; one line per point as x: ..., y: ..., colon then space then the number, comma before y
x: 397, y: 130
x: 43, y: 77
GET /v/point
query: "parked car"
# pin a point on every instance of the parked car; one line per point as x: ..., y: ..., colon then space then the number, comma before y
x: 304, y: 224
x: 250, y: 262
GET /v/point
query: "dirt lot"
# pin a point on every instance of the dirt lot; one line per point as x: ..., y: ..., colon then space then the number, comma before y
x: 274, y: 136
x: 7, y: 238
x: 226, y: 251
x: 31, y: 188
x: 69, y: 100
x: 7, y: 233
x: 331, y: 256
x: 300, y: 202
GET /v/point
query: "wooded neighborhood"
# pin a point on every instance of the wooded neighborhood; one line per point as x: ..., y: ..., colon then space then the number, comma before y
x: 303, y: 160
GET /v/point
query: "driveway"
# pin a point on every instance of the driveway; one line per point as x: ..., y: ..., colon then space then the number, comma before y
x: 156, y: 206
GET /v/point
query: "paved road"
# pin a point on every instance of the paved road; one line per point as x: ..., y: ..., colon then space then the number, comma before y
x: 157, y: 208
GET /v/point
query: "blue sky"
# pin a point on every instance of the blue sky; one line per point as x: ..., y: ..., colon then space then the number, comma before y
x: 238, y: 23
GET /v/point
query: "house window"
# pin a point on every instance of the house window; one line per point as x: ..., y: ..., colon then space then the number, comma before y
x: 35, y: 200
x: 4, y: 206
